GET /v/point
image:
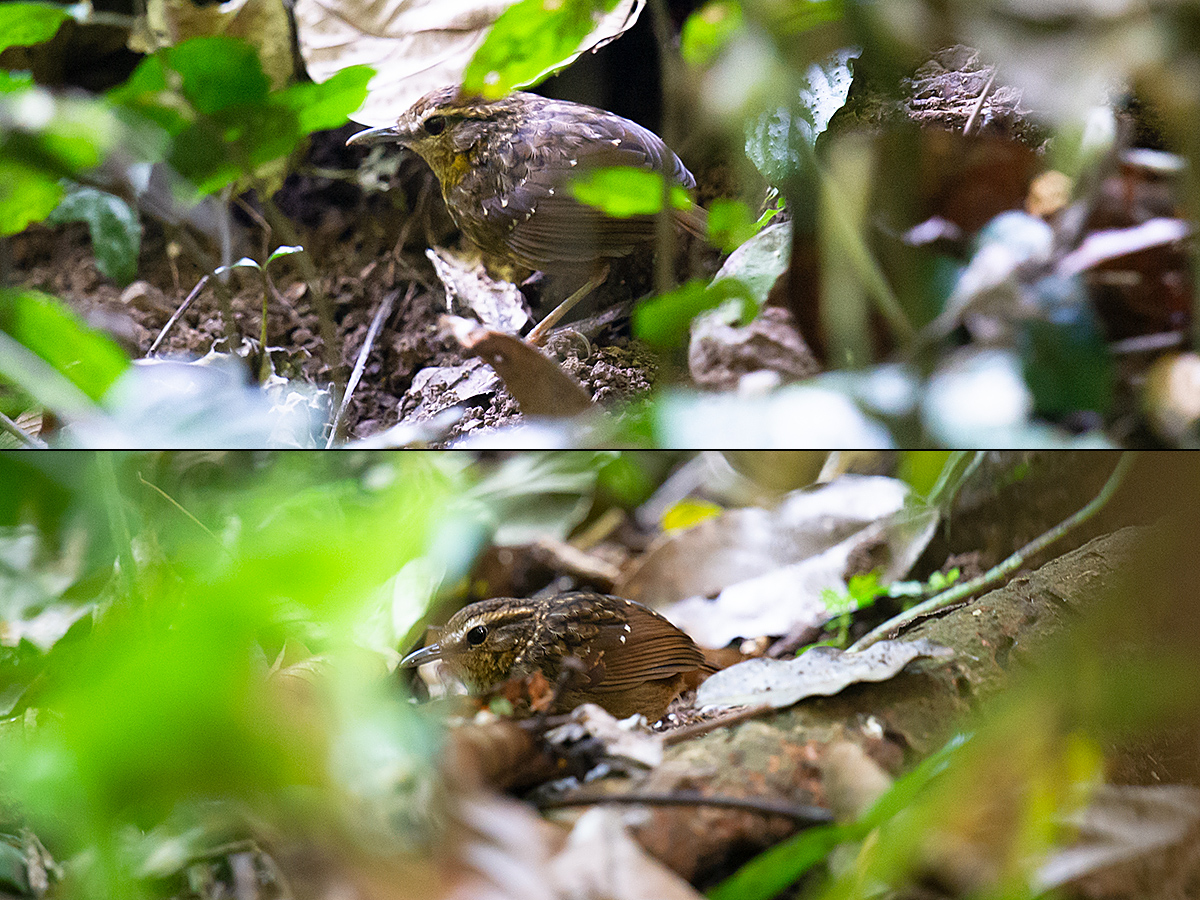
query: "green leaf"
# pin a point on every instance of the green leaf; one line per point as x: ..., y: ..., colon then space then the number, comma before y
x: 780, y: 141
x: 708, y: 29
x: 327, y: 105
x: 283, y: 250
x: 23, y: 24
x: 91, y: 360
x: 27, y: 195
x: 770, y: 873
x: 663, y: 321
x: 529, y: 41
x: 244, y: 263
x: 146, y: 92
x: 218, y: 73
x: 623, y: 191
x: 59, y: 135
x: 730, y: 224
x: 217, y: 150
x: 1066, y: 362
x: 115, y: 229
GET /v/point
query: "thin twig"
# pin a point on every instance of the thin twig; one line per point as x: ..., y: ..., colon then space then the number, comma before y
x: 114, y: 505
x: 961, y: 592
x: 224, y: 298
x: 800, y: 813
x: 979, y: 104
x: 177, y: 314
x: 175, y: 503
x: 678, y: 735
x: 668, y: 64
x: 381, y: 316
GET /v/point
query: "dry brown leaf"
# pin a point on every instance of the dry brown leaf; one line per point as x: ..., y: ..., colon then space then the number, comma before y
x: 767, y: 568
x: 261, y: 23
x: 535, y: 381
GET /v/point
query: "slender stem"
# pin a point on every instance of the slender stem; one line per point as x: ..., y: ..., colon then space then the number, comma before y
x: 114, y: 505
x: 797, y: 812
x: 175, y: 503
x: 961, y: 592
x: 8, y: 426
x: 331, y: 349
x: 664, y: 226
x: 983, y: 95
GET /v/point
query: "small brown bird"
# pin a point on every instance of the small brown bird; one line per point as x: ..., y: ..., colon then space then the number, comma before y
x: 629, y: 658
x: 504, y: 165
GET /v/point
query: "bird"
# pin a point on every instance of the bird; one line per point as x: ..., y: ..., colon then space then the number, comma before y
x: 626, y: 657
x: 504, y: 167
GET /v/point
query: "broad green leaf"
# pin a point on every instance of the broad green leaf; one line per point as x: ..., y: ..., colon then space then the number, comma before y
x: 663, y: 321
x: 327, y: 105
x: 88, y: 358
x: 528, y: 41
x: 730, y: 224
x: 115, y: 229
x: 219, y: 73
x: 146, y: 92
x: 779, y: 141
x: 23, y: 24
x: 623, y: 191
x: 217, y: 150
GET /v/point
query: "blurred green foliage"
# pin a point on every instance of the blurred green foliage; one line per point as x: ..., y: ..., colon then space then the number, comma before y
x: 115, y: 229
x: 87, y: 358
x: 622, y: 191
x: 226, y: 125
x: 23, y: 24
x: 176, y: 692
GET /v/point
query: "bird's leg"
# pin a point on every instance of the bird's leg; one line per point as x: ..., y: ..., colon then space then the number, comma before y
x: 543, y: 327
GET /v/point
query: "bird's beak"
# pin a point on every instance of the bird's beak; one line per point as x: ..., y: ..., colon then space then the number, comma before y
x: 424, y: 655
x: 375, y: 135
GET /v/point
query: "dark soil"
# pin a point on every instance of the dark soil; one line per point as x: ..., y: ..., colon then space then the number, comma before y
x: 364, y: 246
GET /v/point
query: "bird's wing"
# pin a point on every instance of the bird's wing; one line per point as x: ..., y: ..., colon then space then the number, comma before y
x: 564, y: 230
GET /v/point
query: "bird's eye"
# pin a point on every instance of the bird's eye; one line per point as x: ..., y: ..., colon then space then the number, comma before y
x: 477, y: 635
x: 435, y: 125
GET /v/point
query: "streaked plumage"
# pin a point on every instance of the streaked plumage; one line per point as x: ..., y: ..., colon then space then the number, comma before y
x: 503, y: 167
x: 632, y: 659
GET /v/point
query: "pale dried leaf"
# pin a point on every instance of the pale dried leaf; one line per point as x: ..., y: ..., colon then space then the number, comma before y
x: 625, y: 739
x: 768, y: 568
x: 1111, y: 244
x: 414, y: 46
x: 261, y: 23
x: 821, y: 672
x: 498, y: 304
x: 602, y: 862
x: 1122, y: 823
